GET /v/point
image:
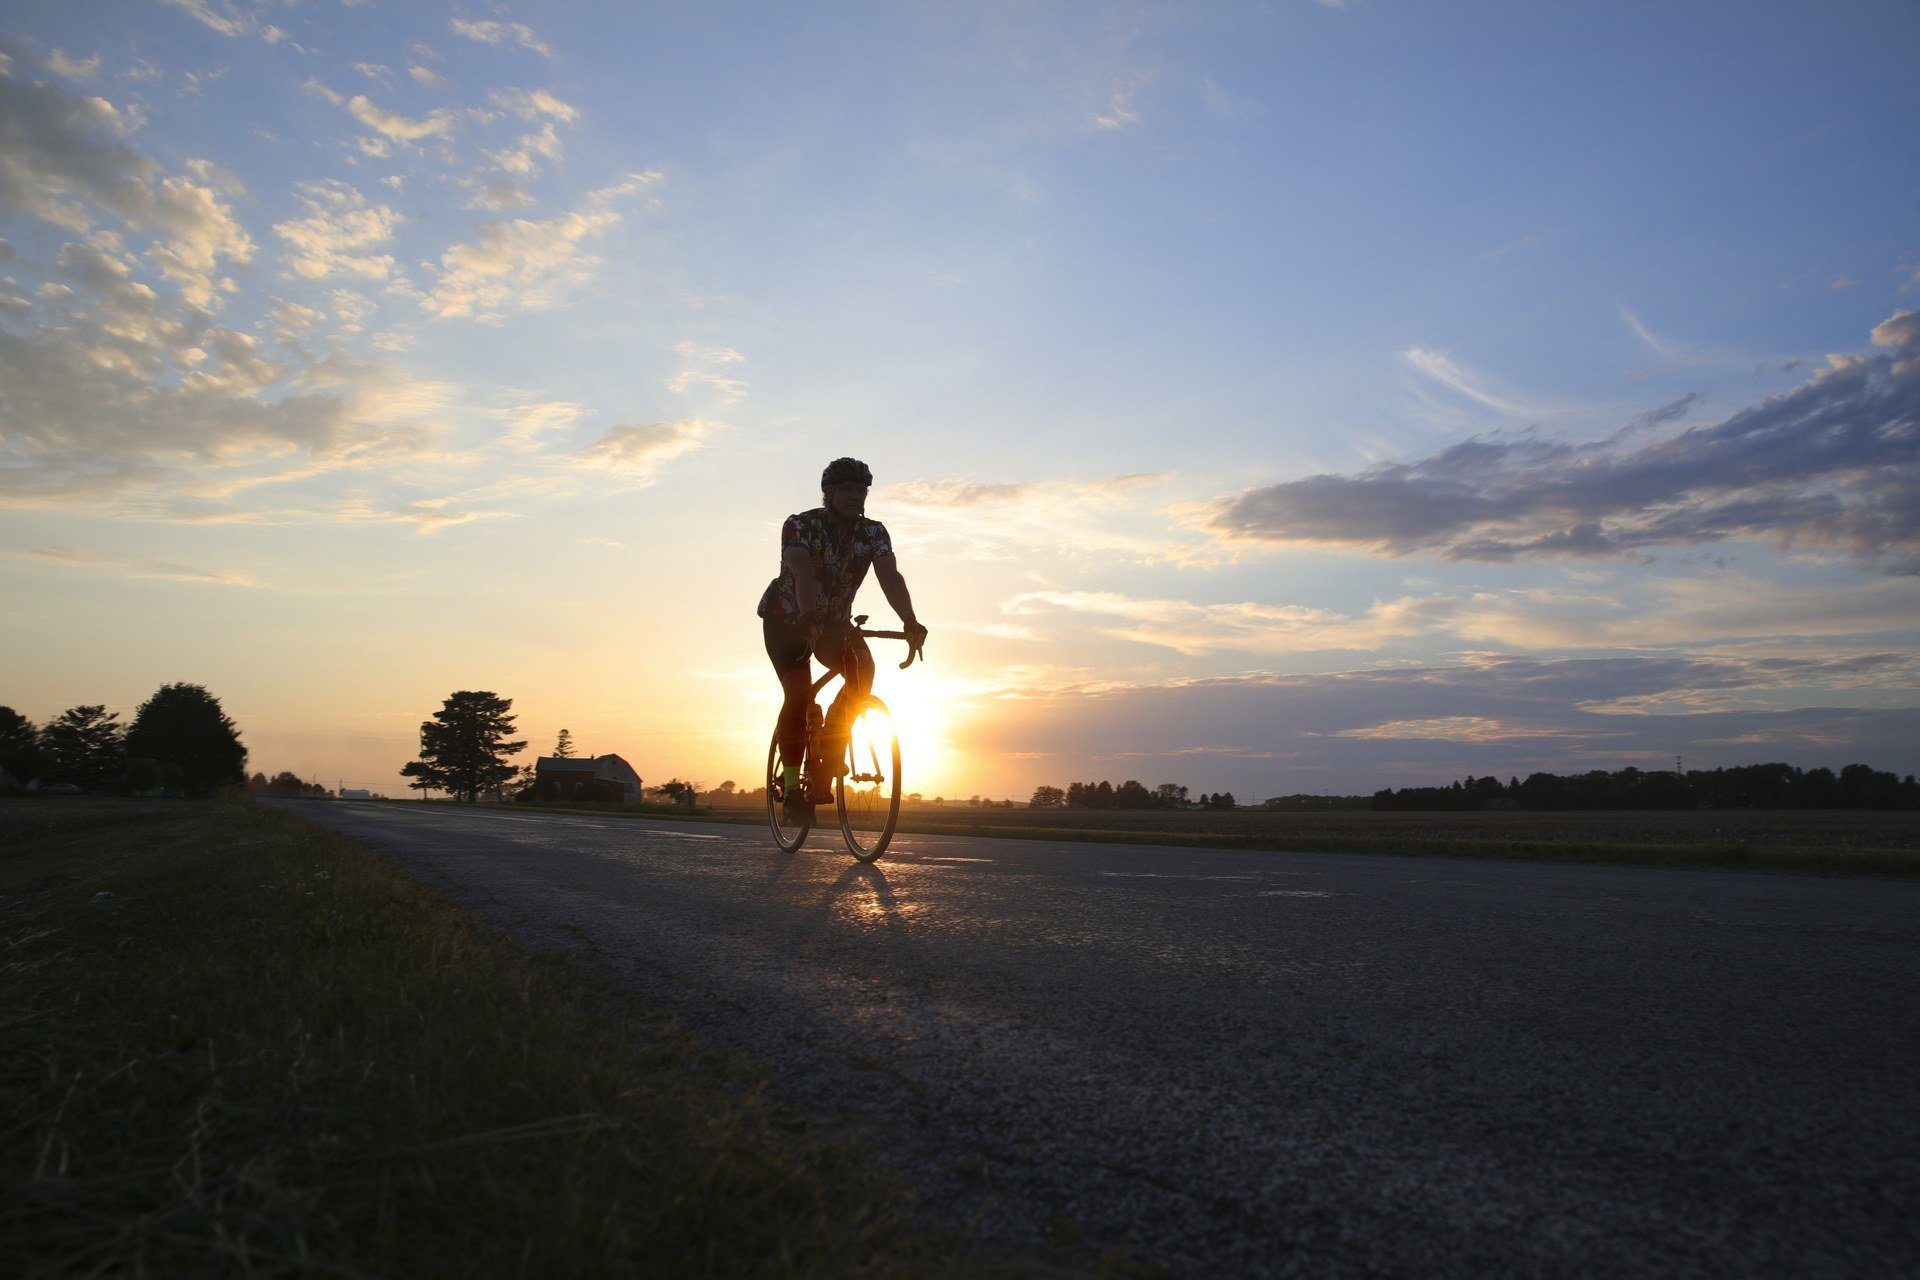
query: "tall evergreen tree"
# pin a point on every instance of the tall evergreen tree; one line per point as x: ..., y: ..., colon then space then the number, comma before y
x: 183, y: 725
x: 85, y: 746
x: 464, y: 748
x: 563, y: 747
x: 20, y: 753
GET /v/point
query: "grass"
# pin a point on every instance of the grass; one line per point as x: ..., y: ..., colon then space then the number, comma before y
x: 269, y: 1051
x: 1820, y: 842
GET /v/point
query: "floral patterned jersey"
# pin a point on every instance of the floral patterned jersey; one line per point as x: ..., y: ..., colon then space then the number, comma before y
x: 840, y: 563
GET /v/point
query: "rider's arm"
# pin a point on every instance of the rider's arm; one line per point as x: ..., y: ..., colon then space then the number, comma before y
x: 806, y: 591
x: 887, y: 571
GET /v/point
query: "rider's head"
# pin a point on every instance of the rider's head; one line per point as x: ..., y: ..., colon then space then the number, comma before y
x: 844, y: 485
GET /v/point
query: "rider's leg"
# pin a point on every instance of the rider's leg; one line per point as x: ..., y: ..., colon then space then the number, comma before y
x: 787, y: 650
x: 854, y: 661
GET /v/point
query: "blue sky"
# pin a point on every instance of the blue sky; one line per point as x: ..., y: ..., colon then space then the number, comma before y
x: 1277, y: 397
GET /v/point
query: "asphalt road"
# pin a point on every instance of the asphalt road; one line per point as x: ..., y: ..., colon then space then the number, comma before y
x: 1228, y: 1062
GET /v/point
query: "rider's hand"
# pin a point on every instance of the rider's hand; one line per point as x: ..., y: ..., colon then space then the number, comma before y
x: 916, y: 635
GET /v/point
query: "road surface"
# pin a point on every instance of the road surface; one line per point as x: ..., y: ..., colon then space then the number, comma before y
x: 1251, y: 1063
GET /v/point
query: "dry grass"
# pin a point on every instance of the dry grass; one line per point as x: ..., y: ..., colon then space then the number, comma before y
x: 270, y: 1052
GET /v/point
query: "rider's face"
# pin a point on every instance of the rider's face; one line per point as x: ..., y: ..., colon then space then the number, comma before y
x: 846, y: 500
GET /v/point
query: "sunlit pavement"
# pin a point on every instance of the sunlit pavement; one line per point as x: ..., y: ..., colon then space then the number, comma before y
x: 1249, y: 1063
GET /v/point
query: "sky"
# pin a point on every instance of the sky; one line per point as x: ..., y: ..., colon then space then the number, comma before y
x: 1275, y: 398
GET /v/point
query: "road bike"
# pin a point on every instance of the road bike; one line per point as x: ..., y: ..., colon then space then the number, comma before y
x: 866, y: 788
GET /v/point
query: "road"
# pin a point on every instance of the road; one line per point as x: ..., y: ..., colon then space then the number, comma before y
x: 1262, y: 1063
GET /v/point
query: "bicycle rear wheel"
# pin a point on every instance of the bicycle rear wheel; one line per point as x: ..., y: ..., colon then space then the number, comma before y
x: 787, y: 833
x: 869, y: 792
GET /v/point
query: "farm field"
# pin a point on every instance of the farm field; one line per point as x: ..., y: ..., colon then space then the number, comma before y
x: 1869, y: 828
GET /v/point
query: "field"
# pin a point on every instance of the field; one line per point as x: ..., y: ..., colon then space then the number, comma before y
x: 234, y: 1044
x: 1837, y: 841
x: 1839, y: 828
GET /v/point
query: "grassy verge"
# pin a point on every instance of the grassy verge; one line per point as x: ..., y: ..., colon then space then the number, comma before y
x: 269, y: 1051
x: 1823, y: 859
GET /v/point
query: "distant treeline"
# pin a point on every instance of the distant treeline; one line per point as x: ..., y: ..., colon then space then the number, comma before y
x: 285, y: 784
x: 1128, y: 795
x: 1751, y: 786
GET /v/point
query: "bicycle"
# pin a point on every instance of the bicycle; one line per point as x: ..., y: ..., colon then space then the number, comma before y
x: 867, y: 794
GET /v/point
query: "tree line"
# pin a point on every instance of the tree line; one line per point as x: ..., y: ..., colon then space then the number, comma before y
x: 1128, y: 795
x: 1752, y: 786
x: 180, y: 741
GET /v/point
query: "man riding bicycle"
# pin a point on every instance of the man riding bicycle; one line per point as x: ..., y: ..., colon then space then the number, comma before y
x: 807, y: 612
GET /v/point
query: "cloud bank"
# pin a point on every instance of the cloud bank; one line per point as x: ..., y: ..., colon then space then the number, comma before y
x: 1833, y: 464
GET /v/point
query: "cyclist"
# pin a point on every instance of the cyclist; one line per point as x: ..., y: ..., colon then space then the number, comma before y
x: 807, y: 612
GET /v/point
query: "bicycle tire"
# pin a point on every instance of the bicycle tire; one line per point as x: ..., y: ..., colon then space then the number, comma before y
x: 868, y: 793
x: 789, y: 836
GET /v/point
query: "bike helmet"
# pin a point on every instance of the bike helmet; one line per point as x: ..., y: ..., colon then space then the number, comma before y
x: 846, y: 471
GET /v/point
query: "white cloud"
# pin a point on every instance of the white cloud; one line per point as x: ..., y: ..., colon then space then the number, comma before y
x: 340, y: 228
x: 533, y: 104
x: 501, y: 33
x: 636, y: 453
x: 229, y: 19
x: 528, y: 426
x: 200, y: 230
x: 526, y: 264
x: 427, y: 77
x: 438, y: 122
x: 72, y: 68
x: 64, y: 159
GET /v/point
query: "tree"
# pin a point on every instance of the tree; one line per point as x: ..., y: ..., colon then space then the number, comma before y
x: 463, y: 749
x: 20, y: 753
x: 85, y: 746
x: 183, y: 725
x: 424, y: 779
x: 679, y: 792
x: 1169, y: 795
x: 1047, y: 798
x: 563, y: 746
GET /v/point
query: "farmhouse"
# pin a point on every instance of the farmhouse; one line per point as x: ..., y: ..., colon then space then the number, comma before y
x: 572, y: 776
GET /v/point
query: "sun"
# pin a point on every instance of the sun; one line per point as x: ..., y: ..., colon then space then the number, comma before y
x: 923, y: 723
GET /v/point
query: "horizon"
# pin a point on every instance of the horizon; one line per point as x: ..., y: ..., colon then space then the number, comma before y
x: 1267, y: 402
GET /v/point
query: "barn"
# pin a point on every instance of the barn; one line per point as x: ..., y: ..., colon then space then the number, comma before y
x: 572, y: 776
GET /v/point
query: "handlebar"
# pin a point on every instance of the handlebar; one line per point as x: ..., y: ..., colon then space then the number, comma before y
x: 913, y: 650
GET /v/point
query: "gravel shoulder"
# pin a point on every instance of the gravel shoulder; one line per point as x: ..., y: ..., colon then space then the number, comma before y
x: 1277, y: 1063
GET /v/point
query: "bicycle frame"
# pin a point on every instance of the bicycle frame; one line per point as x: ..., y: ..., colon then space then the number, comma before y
x: 847, y: 668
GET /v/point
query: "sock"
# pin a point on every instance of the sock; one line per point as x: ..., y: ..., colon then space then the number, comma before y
x: 789, y: 776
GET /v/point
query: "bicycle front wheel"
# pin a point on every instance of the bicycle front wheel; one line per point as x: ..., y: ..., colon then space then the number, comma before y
x: 787, y: 833
x: 869, y: 790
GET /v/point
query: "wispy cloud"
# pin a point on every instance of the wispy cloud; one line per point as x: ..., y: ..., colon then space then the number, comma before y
x: 1449, y: 373
x: 229, y: 19
x: 1242, y: 626
x: 74, y: 68
x: 137, y: 566
x: 995, y: 520
x: 513, y: 34
x: 528, y: 264
x: 635, y: 454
